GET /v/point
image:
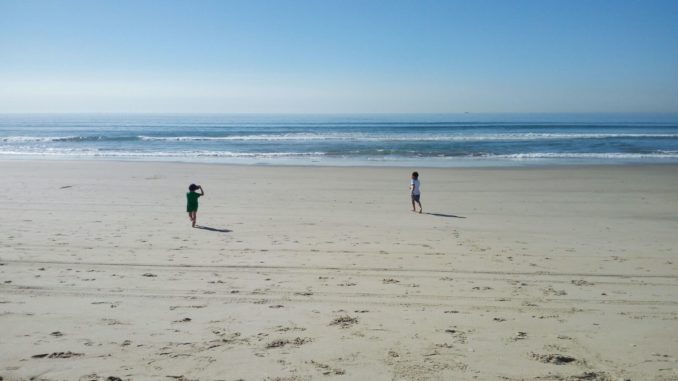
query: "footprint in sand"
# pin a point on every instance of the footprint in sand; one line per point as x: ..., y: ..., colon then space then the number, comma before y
x: 279, y: 343
x: 551, y: 291
x: 556, y: 359
x: 344, y: 321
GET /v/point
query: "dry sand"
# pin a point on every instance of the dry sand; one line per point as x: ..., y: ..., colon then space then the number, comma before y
x: 309, y: 273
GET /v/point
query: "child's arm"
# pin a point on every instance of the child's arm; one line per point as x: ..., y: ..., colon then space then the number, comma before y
x: 202, y: 192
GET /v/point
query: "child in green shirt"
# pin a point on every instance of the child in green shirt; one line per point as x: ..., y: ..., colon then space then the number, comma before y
x: 192, y: 198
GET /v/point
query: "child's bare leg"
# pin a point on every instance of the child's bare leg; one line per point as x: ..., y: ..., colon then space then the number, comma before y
x: 413, y: 205
x: 195, y: 217
x: 420, y: 208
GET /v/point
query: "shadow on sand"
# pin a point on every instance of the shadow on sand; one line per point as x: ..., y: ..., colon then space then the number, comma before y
x: 444, y: 215
x: 213, y: 229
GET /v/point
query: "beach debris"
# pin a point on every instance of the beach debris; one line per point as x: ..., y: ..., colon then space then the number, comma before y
x: 581, y: 282
x: 57, y: 355
x: 551, y: 358
x: 184, y: 320
x: 181, y: 378
x: 593, y: 376
x: 283, y: 342
x: 459, y: 337
x: 389, y: 281
x: 285, y: 329
x: 276, y: 306
x: 551, y: 291
x: 149, y: 275
x: 112, y: 321
x: 327, y: 369
x: 113, y: 378
x: 344, y: 321
x: 56, y: 334
x: 305, y: 293
x: 172, y: 308
x: 231, y: 337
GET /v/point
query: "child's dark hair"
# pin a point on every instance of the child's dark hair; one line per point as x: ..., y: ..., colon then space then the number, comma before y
x: 192, y: 187
x: 415, y: 174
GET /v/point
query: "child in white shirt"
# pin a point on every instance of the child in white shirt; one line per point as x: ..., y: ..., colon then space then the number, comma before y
x: 415, y: 192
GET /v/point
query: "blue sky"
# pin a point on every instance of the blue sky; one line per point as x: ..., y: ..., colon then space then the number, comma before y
x: 338, y: 56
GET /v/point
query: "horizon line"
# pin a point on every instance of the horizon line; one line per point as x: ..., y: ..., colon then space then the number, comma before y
x: 333, y: 113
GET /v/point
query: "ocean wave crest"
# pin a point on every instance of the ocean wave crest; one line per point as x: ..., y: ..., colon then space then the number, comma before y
x: 178, y: 154
x: 48, y: 139
x: 406, y: 137
x: 585, y: 155
x: 57, y: 152
x: 349, y: 137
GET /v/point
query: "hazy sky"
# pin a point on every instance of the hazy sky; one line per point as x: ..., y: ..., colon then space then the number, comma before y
x: 339, y: 56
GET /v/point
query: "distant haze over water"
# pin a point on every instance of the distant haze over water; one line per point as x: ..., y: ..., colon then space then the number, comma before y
x: 440, y: 140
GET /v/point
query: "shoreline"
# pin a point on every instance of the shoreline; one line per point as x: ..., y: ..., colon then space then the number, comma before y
x: 509, y: 165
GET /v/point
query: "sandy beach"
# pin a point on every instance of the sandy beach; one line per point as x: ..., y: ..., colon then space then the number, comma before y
x: 314, y: 273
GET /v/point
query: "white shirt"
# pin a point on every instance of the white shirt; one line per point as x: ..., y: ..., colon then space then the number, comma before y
x: 415, y: 187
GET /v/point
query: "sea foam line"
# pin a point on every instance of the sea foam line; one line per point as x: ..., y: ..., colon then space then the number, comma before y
x: 584, y: 155
x: 179, y: 154
x: 403, y: 137
x: 367, y: 137
x: 51, y: 152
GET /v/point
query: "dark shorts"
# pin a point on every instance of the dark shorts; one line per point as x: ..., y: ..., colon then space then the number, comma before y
x: 191, y: 208
x: 415, y: 197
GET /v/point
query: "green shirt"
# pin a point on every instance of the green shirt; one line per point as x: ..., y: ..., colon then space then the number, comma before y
x: 192, y: 199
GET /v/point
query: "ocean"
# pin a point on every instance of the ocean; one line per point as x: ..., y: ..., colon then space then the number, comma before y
x: 431, y: 140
